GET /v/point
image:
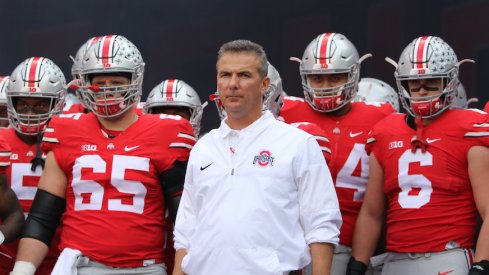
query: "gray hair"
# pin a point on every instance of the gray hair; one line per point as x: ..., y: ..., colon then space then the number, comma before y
x: 238, y: 46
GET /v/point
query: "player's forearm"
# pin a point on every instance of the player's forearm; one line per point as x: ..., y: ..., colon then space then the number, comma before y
x: 31, y: 250
x: 365, y: 237
x: 482, y: 246
x: 322, y: 256
x: 13, y: 216
x: 179, y: 254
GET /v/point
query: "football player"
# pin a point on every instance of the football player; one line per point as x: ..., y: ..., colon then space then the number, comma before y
x: 11, y: 215
x: 110, y: 171
x: 73, y: 102
x: 35, y: 93
x: 330, y: 70
x: 376, y: 90
x: 175, y: 97
x: 428, y: 173
x: 3, y: 102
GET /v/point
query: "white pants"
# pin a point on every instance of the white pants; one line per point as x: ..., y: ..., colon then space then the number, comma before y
x: 452, y: 262
x: 86, y: 266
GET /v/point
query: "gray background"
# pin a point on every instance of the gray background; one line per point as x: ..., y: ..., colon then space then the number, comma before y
x: 179, y: 39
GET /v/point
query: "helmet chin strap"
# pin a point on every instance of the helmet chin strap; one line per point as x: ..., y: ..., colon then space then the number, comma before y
x: 417, y: 141
x: 38, y: 160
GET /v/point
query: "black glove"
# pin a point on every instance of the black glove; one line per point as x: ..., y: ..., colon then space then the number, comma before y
x: 355, y: 267
x: 480, y: 268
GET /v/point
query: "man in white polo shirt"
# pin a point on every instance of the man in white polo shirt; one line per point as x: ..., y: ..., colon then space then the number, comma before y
x: 258, y: 196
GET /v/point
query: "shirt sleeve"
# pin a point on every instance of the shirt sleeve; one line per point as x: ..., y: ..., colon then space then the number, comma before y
x: 319, y: 209
x: 5, y: 153
x: 187, y: 214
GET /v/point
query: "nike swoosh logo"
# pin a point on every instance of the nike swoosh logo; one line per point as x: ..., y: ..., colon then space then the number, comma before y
x: 432, y: 140
x: 352, y: 135
x: 445, y: 273
x: 202, y: 168
x: 127, y: 149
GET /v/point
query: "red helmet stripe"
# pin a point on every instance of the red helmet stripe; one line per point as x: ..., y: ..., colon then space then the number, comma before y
x: 92, y: 41
x: 324, y: 46
x: 169, y: 88
x: 33, y: 68
x: 421, y: 49
x: 106, y: 49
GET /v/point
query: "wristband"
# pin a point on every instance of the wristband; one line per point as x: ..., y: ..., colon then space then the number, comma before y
x: 2, y: 237
x: 355, y: 267
x: 480, y: 268
x: 23, y: 268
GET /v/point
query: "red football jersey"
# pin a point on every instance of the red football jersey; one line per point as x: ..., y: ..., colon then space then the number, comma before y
x: 5, y: 153
x: 320, y: 136
x: 349, y: 160
x: 114, y: 200
x: 139, y: 108
x: 73, y: 109
x: 429, y: 195
x: 24, y: 182
x: 486, y: 107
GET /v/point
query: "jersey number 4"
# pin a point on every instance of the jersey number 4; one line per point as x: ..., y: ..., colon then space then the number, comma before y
x: 83, y: 188
x: 354, y: 172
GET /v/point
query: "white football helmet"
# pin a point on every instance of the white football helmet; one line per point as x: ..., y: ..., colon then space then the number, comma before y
x: 376, y: 90
x: 272, y: 99
x: 176, y: 93
x: 112, y: 54
x: 35, y: 77
x: 427, y: 57
x: 77, y: 65
x: 3, y: 101
x: 330, y: 53
x: 76, y: 68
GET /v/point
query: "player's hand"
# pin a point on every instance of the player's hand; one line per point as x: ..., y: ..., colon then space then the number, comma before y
x: 479, y: 268
x: 355, y: 267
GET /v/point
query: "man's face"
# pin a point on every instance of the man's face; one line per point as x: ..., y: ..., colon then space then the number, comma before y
x: 110, y: 81
x: 4, y: 122
x: 424, y: 87
x: 327, y: 80
x: 239, y: 83
x: 32, y: 105
x: 172, y: 110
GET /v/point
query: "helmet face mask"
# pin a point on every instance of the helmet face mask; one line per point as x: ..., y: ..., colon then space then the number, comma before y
x: 330, y: 53
x: 4, y: 122
x: 36, y: 78
x: 272, y: 99
x: 76, y: 68
x: 111, y: 55
x: 427, y: 57
x: 176, y: 93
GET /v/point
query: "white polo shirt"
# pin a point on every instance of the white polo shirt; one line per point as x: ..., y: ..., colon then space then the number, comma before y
x: 254, y: 199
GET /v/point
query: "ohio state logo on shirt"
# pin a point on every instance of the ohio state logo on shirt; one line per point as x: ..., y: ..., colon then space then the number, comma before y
x: 264, y: 158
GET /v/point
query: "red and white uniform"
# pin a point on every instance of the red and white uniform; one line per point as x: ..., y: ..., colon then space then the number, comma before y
x: 320, y: 136
x: 349, y: 160
x: 5, y: 153
x: 23, y: 182
x: 429, y: 195
x: 114, y: 199
x: 139, y: 108
x: 75, y: 108
x: 486, y: 107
